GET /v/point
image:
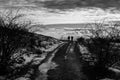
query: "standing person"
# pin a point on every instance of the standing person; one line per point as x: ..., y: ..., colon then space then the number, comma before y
x: 71, y: 38
x: 68, y: 38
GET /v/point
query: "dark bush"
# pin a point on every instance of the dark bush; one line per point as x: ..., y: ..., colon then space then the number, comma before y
x: 104, y: 47
x: 13, y: 35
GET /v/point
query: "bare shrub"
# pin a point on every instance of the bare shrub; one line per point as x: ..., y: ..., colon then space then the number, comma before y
x: 104, y: 40
x: 12, y: 36
x: 104, y: 43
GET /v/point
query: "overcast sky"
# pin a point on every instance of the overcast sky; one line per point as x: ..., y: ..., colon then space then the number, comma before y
x: 65, y: 11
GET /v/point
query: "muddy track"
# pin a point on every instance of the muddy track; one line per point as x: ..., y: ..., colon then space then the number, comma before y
x: 45, y: 61
x: 51, y: 53
x: 69, y: 65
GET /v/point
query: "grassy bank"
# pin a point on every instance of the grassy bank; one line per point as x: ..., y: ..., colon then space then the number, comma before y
x: 104, y: 48
x: 20, y: 49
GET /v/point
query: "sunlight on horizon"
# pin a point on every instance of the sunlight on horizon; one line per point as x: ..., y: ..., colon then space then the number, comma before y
x: 73, y: 16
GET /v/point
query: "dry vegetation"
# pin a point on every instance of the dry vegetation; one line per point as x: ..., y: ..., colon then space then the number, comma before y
x: 16, y: 44
x: 104, y: 44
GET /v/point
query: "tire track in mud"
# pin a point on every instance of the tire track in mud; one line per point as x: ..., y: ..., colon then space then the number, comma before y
x: 75, y: 64
x: 51, y: 54
x: 69, y: 67
x: 41, y: 69
x: 59, y: 72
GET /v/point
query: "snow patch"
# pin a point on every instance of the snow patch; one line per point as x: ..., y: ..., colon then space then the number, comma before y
x: 47, y: 66
x: 83, y: 49
x: 51, y: 48
x: 22, y: 78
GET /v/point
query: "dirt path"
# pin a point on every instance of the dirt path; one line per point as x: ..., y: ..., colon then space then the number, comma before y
x: 40, y: 70
x: 69, y: 67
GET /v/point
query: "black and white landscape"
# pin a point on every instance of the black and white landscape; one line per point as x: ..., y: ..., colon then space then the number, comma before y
x: 59, y: 40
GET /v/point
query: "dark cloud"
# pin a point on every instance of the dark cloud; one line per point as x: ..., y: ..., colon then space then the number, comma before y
x: 16, y: 4
x: 63, y: 4
x: 71, y: 4
x: 4, y: 2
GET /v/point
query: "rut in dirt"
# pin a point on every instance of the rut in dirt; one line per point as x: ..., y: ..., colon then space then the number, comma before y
x: 69, y: 64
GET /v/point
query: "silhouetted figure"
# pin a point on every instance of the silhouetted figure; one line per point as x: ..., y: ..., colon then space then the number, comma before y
x: 71, y: 38
x: 68, y: 38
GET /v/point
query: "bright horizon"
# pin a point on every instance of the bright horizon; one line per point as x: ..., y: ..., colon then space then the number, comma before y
x: 49, y: 12
x: 75, y: 16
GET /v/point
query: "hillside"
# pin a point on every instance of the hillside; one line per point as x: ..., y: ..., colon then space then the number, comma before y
x: 21, y: 50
